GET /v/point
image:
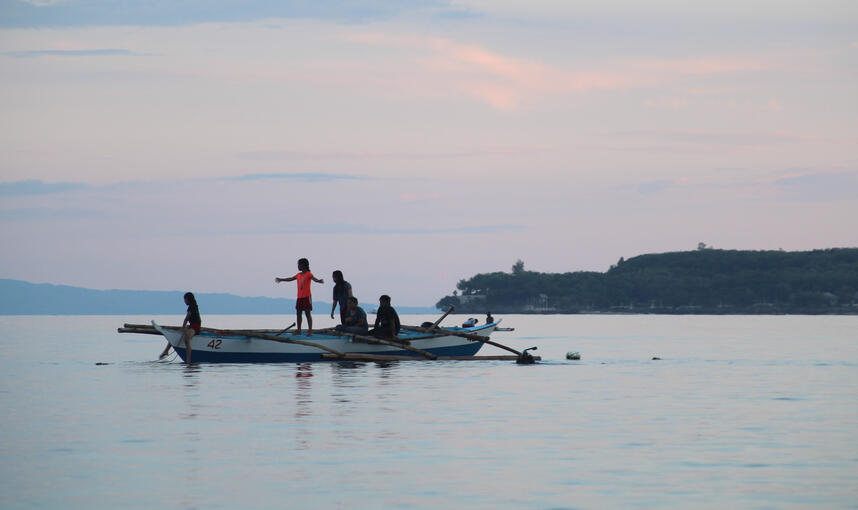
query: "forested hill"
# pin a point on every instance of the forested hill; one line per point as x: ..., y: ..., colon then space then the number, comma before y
x: 705, y: 281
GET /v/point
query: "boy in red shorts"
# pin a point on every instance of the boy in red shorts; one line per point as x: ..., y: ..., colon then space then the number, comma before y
x: 305, y: 298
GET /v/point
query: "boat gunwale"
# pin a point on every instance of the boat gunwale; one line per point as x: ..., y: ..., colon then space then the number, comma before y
x: 332, y: 335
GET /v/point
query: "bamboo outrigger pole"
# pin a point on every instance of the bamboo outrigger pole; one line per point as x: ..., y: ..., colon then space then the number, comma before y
x: 379, y: 341
x: 401, y: 345
x: 262, y: 336
x: 357, y: 356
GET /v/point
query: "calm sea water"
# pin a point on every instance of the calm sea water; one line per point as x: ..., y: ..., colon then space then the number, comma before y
x: 740, y: 412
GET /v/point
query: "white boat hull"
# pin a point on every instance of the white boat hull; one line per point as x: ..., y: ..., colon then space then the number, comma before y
x: 211, y: 347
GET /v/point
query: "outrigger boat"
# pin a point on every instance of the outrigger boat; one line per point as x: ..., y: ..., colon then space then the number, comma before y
x: 272, y: 346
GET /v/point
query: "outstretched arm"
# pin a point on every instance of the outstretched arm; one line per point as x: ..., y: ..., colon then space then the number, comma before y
x: 317, y: 280
x: 289, y: 279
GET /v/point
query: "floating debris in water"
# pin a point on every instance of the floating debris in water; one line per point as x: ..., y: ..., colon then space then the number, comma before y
x: 101, y: 363
x: 656, y: 358
x: 573, y: 355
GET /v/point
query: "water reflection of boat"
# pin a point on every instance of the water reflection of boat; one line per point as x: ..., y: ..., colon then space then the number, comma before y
x: 272, y: 346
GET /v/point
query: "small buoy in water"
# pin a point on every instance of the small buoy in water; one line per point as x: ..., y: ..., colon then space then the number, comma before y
x: 656, y: 358
x: 573, y: 355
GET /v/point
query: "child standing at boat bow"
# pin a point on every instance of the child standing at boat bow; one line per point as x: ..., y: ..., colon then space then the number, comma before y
x: 305, y: 298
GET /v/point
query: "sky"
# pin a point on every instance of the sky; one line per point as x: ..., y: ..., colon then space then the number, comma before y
x: 207, y: 145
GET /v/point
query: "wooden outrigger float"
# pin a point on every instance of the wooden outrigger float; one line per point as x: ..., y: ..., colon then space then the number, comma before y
x: 272, y: 346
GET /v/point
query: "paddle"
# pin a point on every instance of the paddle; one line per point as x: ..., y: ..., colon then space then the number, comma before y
x: 285, y: 330
x: 443, y: 317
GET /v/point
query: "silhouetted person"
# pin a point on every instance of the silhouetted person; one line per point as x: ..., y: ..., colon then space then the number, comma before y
x: 190, y: 326
x: 355, y: 319
x: 342, y: 293
x: 304, y: 303
x: 386, y: 320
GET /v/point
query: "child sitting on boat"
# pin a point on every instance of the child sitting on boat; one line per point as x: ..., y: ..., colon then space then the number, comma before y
x: 355, y: 319
x: 305, y: 298
x: 386, y: 320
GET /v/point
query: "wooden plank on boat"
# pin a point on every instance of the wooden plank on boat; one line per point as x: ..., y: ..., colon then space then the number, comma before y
x: 141, y: 326
x: 140, y: 331
x: 149, y: 327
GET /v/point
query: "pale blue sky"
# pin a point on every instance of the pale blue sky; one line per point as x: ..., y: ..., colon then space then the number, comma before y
x: 77, y: 13
x: 207, y: 146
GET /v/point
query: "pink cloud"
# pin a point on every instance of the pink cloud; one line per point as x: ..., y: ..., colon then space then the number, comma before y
x: 483, y: 59
x: 441, y: 66
x: 444, y: 66
x: 500, y: 98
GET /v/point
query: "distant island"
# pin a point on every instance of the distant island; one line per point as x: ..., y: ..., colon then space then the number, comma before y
x: 24, y: 298
x: 705, y: 281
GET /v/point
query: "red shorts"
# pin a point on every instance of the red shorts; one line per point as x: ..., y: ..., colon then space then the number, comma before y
x: 304, y: 303
x: 196, y: 327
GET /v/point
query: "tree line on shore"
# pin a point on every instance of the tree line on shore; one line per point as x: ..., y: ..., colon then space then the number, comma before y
x: 705, y: 281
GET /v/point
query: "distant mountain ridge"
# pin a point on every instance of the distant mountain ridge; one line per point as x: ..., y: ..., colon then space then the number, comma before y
x: 19, y: 297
